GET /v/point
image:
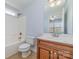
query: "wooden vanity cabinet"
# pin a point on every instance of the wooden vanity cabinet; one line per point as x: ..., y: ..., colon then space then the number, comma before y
x: 53, y: 50
x: 44, y: 54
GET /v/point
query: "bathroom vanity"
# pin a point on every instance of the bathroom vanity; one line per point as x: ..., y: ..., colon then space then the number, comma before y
x: 54, y: 48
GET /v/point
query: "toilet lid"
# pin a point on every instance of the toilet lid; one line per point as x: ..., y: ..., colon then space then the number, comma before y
x: 25, y: 45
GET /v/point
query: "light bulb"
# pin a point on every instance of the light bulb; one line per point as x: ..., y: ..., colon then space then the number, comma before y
x: 51, y: 0
x: 52, y: 5
x: 58, y: 2
x: 51, y: 18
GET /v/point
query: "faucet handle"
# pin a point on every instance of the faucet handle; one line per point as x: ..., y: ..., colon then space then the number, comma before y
x: 20, y: 33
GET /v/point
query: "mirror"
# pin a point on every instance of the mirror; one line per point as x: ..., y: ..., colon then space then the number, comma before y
x: 55, y: 25
x: 58, y: 16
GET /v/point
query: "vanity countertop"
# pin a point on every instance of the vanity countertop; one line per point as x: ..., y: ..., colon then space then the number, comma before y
x: 68, y: 39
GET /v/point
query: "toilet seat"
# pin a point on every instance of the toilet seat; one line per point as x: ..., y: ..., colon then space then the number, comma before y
x: 24, y: 45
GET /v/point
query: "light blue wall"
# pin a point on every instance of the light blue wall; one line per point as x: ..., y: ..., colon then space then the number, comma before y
x: 34, y: 15
x: 37, y: 17
x: 69, y: 16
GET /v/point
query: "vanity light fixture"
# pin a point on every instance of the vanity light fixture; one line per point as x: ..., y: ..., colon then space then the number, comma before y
x: 59, y: 2
x: 53, y: 3
x: 51, y: 18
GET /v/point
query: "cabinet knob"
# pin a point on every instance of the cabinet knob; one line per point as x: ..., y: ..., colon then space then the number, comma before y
x: 51, y: 52
x: 55, y: 53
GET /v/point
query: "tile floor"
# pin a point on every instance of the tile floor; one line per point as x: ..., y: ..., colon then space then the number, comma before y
x: 18, y: 56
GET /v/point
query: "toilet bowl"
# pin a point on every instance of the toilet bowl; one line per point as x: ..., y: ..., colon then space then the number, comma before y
x: 25, y: 49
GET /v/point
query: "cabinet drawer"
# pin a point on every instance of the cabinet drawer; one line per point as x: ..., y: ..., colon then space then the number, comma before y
x: 65, y: 54
x: 55, y: 45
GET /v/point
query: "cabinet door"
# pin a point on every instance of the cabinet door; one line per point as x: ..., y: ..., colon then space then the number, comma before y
x: 44, y: 54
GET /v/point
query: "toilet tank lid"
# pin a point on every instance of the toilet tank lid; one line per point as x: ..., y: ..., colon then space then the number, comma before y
x: 24, y: 45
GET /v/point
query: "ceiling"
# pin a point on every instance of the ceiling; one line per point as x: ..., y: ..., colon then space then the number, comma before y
x: 21, y: 4
x: 18, y: 4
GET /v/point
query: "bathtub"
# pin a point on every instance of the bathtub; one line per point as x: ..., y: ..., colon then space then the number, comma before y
x: 12, y: 48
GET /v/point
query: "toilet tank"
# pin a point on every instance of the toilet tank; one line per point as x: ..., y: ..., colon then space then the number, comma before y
x: 30, y: 40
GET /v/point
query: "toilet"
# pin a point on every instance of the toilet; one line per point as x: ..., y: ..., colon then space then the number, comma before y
x: 25, y: 48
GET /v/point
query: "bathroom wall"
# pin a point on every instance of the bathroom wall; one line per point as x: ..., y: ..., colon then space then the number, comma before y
x: 34, y: 14
x: 22, y: 25
x: 37, y: 17
x: 70, y: 17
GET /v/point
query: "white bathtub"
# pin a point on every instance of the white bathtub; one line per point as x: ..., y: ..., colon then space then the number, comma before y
x: 12, y: 48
